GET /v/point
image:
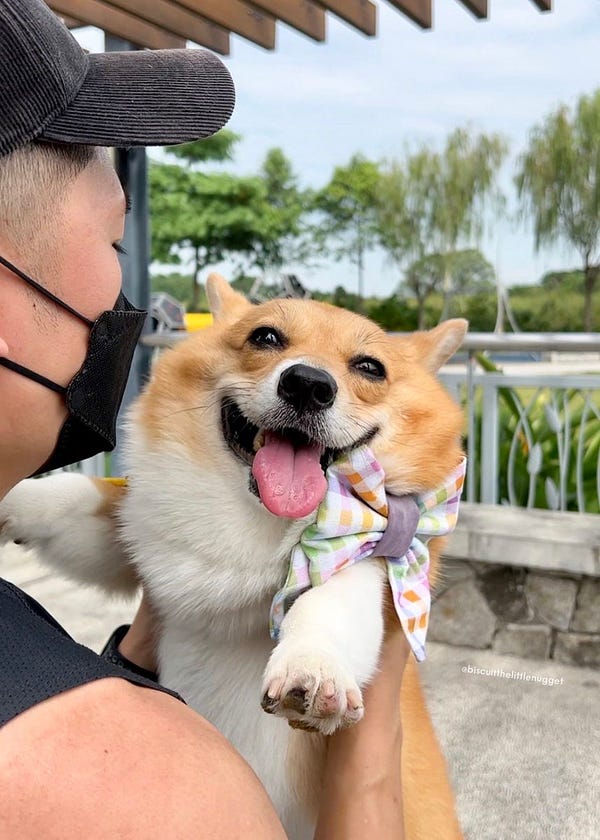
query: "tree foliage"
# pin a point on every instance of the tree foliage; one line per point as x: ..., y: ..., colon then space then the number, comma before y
x: 432, y: 202
x: 204, y: 218
x: 290, y: 240
x: 347, y: 208
x: 470, y: 270
x: 558, y: 181
x: 208, y: 216
x: 219, y: 147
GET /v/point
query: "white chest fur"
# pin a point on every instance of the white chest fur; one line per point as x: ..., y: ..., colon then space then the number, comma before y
x: 212, y: 558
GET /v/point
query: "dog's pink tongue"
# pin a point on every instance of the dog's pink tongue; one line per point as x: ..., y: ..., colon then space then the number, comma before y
x: 290, y: 481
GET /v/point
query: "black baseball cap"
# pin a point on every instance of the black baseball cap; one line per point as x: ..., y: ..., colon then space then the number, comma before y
x: 51, y: 89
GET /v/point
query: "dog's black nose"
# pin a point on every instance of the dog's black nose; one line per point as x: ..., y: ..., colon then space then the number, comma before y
x: 307, y: 388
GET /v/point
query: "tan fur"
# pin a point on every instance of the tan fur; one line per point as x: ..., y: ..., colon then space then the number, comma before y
x: 111, y: 494
x: 427, y: 797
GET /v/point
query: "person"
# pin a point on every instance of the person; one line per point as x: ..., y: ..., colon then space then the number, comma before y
x: 91, y: 746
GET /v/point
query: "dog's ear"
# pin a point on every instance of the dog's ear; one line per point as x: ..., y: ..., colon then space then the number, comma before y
x: 225, y: 303
x: 433, y: 348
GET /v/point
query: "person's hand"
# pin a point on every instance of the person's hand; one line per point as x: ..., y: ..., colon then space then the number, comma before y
x: 139, y: 643
x: 362, y: 791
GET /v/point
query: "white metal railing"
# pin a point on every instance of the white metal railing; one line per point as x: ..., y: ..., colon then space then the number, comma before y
x: 551, y: 426
x: 533, y: 439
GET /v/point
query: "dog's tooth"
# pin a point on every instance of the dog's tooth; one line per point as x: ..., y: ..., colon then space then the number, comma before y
x: 259, y: 441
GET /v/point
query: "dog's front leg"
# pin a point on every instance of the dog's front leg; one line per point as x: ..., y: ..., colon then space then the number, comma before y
x: 328, y: 649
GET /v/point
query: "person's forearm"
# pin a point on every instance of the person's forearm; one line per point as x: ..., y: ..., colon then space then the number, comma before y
x: 362, y: 792
x: 138, y: 645
x: 362, y: 795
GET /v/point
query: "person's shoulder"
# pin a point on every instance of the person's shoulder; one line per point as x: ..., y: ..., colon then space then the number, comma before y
x: 38, y: 658
x: 15, y: 599
x: 111, y: 759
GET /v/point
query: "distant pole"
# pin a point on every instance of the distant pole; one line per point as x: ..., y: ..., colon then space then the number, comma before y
x: 499, y: 327
x: 361, y: 276
x: 361, y: 259
x: 503, y: 307
x: 131, y: 166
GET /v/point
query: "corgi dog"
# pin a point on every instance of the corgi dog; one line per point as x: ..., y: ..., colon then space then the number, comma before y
x: 227, y: 450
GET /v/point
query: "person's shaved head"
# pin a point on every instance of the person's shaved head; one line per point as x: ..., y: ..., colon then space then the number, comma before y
x: 33, y: 180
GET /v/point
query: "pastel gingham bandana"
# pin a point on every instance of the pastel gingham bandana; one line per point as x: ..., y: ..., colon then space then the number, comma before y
x: 353, y: 518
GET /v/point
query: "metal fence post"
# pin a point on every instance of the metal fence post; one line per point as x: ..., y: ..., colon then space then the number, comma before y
x: 489, y: 444
x: 471, y: 443
x: 131, y: 165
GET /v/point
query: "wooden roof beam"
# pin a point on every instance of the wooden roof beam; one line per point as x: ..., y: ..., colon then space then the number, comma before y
x: 302, y: 15
x: 238, y: 17
x: 419, y: 11
x: 96, y: 13
x: 180, y: 21
x: 478, y: 8
x: 361, y: 14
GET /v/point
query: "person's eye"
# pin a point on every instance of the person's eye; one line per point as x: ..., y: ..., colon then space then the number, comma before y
x: 119, y: 248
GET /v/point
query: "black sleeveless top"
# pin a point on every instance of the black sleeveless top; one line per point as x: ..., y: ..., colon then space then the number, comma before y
x: 38, y: 659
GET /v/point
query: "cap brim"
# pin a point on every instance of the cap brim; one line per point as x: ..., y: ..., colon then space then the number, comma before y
x: 147, y: 98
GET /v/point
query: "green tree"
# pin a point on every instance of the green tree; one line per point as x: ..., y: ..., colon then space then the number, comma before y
x: 572, y: 281
x: 210, y: 217
x: 470, y: 270
x: 403, y: 209
x: 558, y: 180
x: 394, y: 314
x: 346, y: 300
x: 256, y: 220
x: 347, y: 206
x: 218, y: 147
x: 463, y: 185
x: 433, y: 202
x: 288, y: 238
x: 177, y: 285
x: 423, y: 277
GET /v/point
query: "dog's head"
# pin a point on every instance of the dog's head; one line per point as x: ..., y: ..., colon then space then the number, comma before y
x: 286, y: 387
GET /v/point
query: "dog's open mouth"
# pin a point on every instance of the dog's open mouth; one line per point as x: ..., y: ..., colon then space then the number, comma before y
x: 287, y: 466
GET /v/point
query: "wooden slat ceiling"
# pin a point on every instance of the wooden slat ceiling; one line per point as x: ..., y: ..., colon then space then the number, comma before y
x: 159, y: 24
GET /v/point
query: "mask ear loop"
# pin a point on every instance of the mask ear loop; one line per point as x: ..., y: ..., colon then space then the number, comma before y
x: 31, y: 374
x: 45, y: 292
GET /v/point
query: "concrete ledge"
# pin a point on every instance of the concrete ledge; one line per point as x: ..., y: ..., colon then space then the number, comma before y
x: 535, y: 539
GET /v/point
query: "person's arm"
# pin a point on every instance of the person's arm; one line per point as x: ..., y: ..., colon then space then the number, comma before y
x: 362, y: 794
x: 109, y: 759
x: 139, y: 643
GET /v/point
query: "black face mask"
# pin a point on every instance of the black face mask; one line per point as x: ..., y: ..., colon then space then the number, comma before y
x: 94, y: 395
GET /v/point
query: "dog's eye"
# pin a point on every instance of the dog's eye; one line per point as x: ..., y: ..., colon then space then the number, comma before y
x: 368, y: 367
x: 267, y: 337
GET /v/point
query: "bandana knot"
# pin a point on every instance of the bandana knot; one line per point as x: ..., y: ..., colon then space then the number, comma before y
x: 358, y: 519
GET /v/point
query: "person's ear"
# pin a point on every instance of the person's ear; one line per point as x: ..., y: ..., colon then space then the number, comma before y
x: 3, y: 348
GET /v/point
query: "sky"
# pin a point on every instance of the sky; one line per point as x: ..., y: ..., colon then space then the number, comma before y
x: 321, y: 103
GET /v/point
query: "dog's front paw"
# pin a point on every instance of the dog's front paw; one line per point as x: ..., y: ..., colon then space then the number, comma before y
x: 311, y: 688
x: 18, y: 517
x: 34, y: 510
